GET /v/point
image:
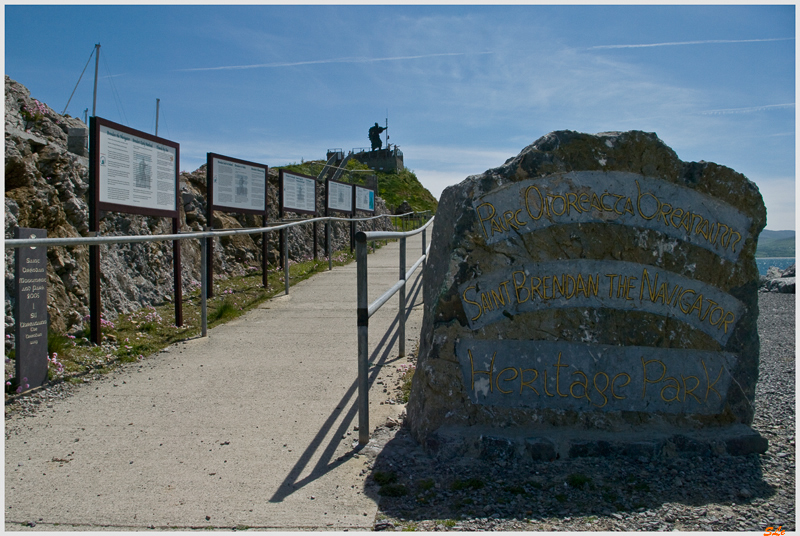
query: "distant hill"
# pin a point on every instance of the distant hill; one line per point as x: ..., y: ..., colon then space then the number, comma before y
x: 775, y: 244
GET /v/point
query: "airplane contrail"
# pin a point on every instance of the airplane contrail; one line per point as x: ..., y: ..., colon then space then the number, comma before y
x: 706, y: 42
x: 748, y: 110
x: 332, y: 60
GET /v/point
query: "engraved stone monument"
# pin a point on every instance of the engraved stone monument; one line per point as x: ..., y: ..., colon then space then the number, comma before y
x: 595, y: 295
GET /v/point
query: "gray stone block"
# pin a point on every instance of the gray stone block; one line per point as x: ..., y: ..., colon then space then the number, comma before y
x: 540, y: 449
x: 496, y: 448
x: 746, y: 444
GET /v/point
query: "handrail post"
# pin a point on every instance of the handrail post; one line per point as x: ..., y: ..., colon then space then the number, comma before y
x: 424, y: 246
x: 401, y: 328
x: 328, y: 244
x: 203, y: 286
x: 362, y: 305
x: 285, y: 236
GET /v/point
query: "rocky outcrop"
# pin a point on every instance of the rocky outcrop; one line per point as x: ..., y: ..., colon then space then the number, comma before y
x: 588, y: 290
x: 777, y: 280
x: 46, y: 186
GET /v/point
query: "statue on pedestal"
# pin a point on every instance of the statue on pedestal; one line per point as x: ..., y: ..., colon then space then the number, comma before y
x: 375, y: 136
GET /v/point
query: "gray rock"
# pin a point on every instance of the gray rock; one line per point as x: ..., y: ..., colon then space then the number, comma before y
x: 548, y: 307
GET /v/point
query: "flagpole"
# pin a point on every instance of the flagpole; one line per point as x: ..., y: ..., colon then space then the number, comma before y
x: 96, y: 66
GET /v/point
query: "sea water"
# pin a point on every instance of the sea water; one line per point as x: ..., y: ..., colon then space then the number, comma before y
x: 764, y: 263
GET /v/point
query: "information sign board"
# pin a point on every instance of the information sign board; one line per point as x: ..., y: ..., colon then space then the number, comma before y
x: 136, y: 172
x: 340, y: 196
x: 31, y: 311
x: 298, y: 193
x: 236, y: 185
x: 365, y: 199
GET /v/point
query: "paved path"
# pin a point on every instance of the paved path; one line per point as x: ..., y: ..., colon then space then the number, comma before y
x: 252, y: 426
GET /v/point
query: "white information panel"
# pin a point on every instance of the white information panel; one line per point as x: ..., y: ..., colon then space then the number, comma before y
x: 299, y: 193
x: 340, y: 196
x: 135, y: 171
x: 238, y: 186
x: 365, y: 199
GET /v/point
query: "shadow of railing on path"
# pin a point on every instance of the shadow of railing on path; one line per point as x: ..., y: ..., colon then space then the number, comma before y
x: 326, y: 462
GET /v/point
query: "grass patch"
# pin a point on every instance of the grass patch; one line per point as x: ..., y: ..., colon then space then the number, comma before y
x: 392, y: 490
x: 470, y: 483
x: 610, y: 497
x: 561, y: 497
x: 405, y: 385
x: 57, y: 343
x: 515, y: 489
x: 425, y: 484
x: 384, y: 477
x: 223, y: 312
x: 577, y: 480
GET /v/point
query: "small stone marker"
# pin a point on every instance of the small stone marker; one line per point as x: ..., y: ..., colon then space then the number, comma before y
x: 594, y: 295
x: 31, y: 311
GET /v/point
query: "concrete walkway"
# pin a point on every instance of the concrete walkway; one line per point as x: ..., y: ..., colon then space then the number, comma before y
x: 252, y: 426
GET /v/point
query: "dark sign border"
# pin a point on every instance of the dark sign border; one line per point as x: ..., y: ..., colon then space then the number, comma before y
x: 328, y: 196
x: 94, y: 154
x: 295, y: 210
x: 210, y: 184
x: 374, y: 197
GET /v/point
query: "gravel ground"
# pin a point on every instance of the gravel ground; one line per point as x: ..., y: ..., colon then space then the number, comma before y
x: 717, y: 493
x: 743, y: 493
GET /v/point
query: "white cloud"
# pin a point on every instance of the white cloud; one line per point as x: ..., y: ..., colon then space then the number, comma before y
x: 438, y: 167
x: 779, y: 198
x: 436, y: 181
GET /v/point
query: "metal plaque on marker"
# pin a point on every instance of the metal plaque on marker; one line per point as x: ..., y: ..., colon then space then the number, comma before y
x: 298, y: 193
x: 365, y: 199
x: 136, y: 172
x: 236, y: 185
x: 340, y: 196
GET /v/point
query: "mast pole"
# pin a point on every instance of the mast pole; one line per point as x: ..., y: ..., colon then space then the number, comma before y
x: 158, y: 102
x: 96, y: 66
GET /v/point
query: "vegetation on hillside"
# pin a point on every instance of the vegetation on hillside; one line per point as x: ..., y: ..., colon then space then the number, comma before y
x: 395, y: 188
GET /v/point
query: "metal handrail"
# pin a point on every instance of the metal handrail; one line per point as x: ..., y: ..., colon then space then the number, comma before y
x: 365, y: 310
x: 111, y: 239
x: 115, y: 239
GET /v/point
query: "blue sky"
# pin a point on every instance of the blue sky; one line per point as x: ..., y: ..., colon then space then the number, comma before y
x: 465, y: 87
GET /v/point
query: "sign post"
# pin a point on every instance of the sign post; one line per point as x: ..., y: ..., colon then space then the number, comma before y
x: 30, y: 311
x: 364, y: 201
x: 134, y: 172
x: 297, y: 193
x: 235, y: 186
x: 339, y: 198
